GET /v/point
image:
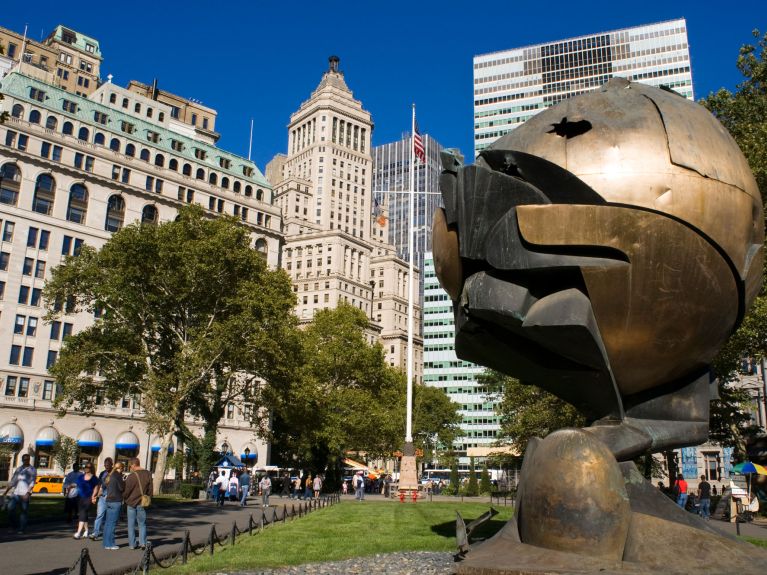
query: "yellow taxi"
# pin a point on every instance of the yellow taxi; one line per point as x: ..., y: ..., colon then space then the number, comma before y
x: 48, y: 484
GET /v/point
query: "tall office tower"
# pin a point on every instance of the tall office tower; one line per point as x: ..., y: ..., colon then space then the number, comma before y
x: 456, y: 377
x: 513, y: 85
x: 73, y: 58
x: 73, y: 170
x: 323, y: 186
x: 391, y: 184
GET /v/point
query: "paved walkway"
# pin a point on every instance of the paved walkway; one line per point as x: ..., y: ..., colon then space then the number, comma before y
x: 50, y: 548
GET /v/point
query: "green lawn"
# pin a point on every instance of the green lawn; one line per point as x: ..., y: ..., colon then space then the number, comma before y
x: 348, y: 529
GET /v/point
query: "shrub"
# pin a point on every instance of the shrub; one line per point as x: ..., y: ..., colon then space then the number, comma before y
x: 190, y: 491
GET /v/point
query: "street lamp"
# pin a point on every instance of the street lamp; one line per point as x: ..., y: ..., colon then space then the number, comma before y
x: 247, y: 456
x: 225, y: 447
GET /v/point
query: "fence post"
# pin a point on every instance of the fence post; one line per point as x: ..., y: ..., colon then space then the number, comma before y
x: 84, y: 561
x: 233, y: 535
x: 147, y: 558
x: 185, y: 550
x: 250, y: 524
x: 211, y: 540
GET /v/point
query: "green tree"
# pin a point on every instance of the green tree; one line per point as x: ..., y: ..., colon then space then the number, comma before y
x: 528, y: 411
x: 744, y: 114
x: 485, y: 486
x: 435, y: 420
x: 472, y: 487
x: 65, y: 452
x: 341, y: 397
x: 455, y: 479
x: 187, y: 313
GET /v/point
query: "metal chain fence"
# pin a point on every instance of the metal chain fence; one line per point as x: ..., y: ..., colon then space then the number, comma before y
x: 84, y: 564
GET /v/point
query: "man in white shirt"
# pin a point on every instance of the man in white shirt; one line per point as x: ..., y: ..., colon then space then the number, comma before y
x: 223, y: 485
x: 22, y: 482
x: 266, y: 488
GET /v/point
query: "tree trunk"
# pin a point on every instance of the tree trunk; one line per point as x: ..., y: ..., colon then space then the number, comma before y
x: 162, y: 460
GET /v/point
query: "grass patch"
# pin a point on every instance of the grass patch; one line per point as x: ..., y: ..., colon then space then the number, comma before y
x: 757, y: 542
x: 348, y: 529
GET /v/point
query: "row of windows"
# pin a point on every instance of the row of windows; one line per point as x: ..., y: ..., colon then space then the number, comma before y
x: 129, y: 149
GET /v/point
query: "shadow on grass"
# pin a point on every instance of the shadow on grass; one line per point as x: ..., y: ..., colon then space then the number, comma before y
x: 484, y: 531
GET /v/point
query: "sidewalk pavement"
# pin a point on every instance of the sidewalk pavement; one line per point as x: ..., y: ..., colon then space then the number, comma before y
x: 50, y: 547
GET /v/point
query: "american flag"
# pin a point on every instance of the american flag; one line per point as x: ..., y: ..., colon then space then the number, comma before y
x: 418, y: 149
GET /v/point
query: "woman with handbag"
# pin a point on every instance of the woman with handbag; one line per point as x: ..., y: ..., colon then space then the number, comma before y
x: 138, y: 496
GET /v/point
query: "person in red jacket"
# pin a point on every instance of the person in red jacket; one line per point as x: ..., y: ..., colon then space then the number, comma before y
x: 680, y: 488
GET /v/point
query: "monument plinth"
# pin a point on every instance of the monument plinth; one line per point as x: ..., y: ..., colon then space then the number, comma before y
x: 604, y: 251
x: 408, y: 471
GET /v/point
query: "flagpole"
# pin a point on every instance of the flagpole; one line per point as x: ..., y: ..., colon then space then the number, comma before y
x: 409, y: 424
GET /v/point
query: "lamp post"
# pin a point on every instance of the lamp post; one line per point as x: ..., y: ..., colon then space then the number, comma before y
x: 225, y: 447
x: 247, y: 456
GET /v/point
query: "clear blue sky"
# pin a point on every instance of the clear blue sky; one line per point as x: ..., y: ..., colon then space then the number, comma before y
x: 261, y: 59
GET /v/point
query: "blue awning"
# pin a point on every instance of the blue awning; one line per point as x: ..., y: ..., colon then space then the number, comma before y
x: 47, y: 436
x: 11, y: 433
x: 90, y: 438
x: 157, y: 443
x: 127, y: 440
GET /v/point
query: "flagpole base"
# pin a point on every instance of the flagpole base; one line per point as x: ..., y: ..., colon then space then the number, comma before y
x: 408, y: 472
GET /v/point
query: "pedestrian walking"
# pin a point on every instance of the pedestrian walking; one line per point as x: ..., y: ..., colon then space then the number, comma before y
x: 308, y: 487
x: 88, y: 491
x: 101, y: 501
x: 220, y: 487
x: 704, y: 496
x: 22, y: 482
x: 680, y: 490
x: 265, y: 485
x: 115, y: 490
x: 234, y: 487
x: 317, y: 486
x: 244, y: 487
x: 359, y: 487
x: 69, y: 491
x: 137, y: 496
x: 296, y: 488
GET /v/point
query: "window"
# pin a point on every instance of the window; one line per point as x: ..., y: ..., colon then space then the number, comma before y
x: 83, y: 134
x: 159, y: 160
x: 115, y: 213
x: 130, y: 150
x: 29, y: 263
x: 90, y: 47
x: 194, y: 119
x: 52, y: 356
x: 213, y: 179
x: 42, y: 201
x: 27, y: 357
x: 51, y: 122
x: 12, y: 49
x: 187, y: 170
x: 173, y: 164
x: 69, y: 106
x: 67, y: 246
x: 32, y: 238
x: 40, y: 269
x: 18, y: 326
x: 224, y: 163
x: 88, y: 67
x: 149, y: 215
x: 99, y: 139
x: 200, y: 154
x: 22, y: 144
x: 48, y: 385
x: 36, y: 94
x: 55, y: 330
x: 84, y: 82
x: 176, y: 145
x: 67, y: 331
x: 144, y: 155
x: 68, y: 128
x: 200, y: 174
x: 99, y: 117
x: 10, y: 181
x: 78, y: 204
x: 83, y: 162
x: 174, y: 112
x: 35, y: 299
x: 153, y: 137
x: 125, y: 103
x: 32, y: 327
x: 114, y: 145
x: 14, y: 359
x: 17, y: 111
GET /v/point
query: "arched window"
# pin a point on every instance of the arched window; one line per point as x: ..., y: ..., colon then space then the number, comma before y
x: 130, y: 150
x: 159, y: 160
x: 144, y: 154
x: 78, y: 203
x: 149, y: 215
x: 237, y: 187
x: 200, y: 175
x: 10, y: 181
x: 225, y: 183
x: 187, y: 170
x: 99, y: 139
x: 260, y: 195
x: 34, y: 117
x: 112, y: 98
x: 45, y: 191
x: 67, y: 128
x: 115, y: 213
x: 51, y: 122
x: 17, y: 111
x: 125, y: 102
x: 83, y: 134
x: 248, y: 191
x: 161, y: 116
x: 137, y: 108
x: 173, y: 164
x: 213, y: 179
x: 114, y: 145
x: 262, y: 248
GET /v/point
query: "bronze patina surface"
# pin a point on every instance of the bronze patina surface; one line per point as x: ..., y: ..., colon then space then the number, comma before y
x: 604, y: 251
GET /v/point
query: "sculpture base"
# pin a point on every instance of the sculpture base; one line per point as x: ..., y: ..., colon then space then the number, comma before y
x: 408, y: 472
x: 660, y: 538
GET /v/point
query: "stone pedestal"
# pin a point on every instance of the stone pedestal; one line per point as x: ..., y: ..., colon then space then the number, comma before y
x: 408, y: 473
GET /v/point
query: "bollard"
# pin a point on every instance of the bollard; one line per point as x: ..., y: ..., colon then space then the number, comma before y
x: 147, y: 558
x: 415, y: 496
x: 185, y: 549
x: 250, y: 524
x: 84, y: 561
x: 233, y: 534
x: 211, y: 541
x: 401, y: 496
